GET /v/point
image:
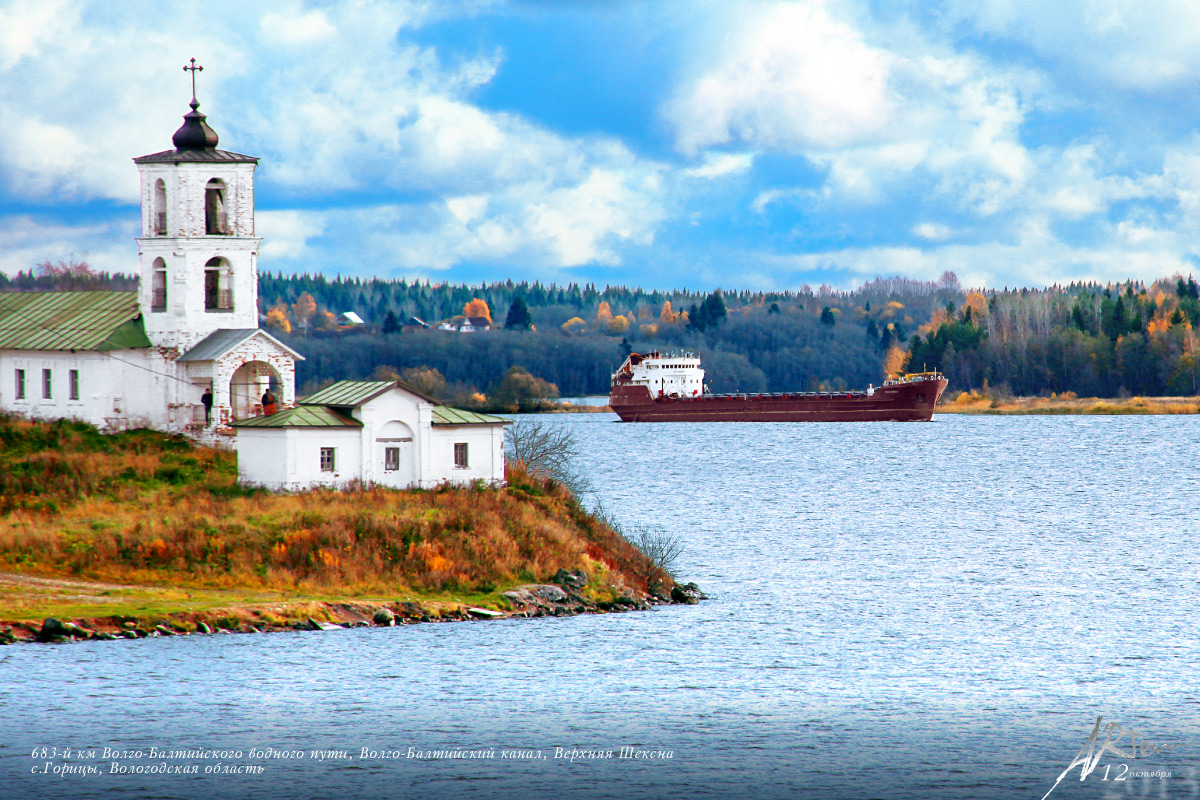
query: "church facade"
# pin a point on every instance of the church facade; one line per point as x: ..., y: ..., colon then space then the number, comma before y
x: 182, y: 354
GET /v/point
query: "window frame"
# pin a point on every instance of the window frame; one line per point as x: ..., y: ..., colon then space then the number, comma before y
x: 328, y: 459
x: 47, y: 383
x: 462, y: 455
x: 19, y: 377
x: 391, y: 459
x: 73, y: 384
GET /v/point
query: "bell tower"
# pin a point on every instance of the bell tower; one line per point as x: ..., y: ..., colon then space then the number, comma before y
x: 198, y: 249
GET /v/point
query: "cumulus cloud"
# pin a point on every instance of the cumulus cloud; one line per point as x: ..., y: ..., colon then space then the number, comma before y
x: 338, y: 101
x: 869, y: 106
x: 1122, y: 43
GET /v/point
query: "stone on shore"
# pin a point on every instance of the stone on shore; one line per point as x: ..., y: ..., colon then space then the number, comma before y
x: 384, y: 616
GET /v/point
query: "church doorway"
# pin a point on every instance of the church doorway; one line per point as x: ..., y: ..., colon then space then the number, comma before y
x: 248, y: 385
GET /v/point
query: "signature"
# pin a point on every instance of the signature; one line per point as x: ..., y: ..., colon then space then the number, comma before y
x: 1089, y: 756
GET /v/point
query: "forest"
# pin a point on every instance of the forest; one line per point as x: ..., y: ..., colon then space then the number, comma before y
x: 1106, y: 340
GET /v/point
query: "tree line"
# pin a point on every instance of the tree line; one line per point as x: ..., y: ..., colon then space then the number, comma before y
x: 1092, y: 339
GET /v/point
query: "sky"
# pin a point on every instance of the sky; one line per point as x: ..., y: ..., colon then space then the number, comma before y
x: 655, y: 143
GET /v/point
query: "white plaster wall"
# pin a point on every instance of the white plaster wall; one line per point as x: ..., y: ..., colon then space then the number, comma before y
x: 118, y: 390
x: 290, y: 458
x: 485, y: 454
x: 395, y: 405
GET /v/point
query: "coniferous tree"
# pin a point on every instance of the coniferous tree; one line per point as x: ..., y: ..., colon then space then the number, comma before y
x: 519, y: 318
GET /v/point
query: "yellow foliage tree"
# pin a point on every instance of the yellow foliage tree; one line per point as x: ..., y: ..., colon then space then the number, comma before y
x: 618, y: 325
x: 977, y: 303
x: 277, y: 319
x: 648, y: 330
x: 604, y: 313
x: 896, y: 360
x: 478, y: 308
x: 574, y: 325
x: 303, y: 310
x: 667, y: 315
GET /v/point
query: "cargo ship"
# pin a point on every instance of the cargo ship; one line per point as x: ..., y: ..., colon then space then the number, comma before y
x: 657, y: 387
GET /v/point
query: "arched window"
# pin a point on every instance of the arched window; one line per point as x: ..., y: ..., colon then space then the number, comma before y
x: 158, y: 286
x: 215, y: 222
x: 218, y: 285
x: 160, y: 208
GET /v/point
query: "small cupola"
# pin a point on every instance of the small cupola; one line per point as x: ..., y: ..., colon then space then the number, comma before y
x: 195, y: 134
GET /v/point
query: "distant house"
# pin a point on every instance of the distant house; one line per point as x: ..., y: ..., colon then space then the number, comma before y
x: 415, y: 324
x: 463, y: 324
x: 349, y: 318
x: 374, y: 432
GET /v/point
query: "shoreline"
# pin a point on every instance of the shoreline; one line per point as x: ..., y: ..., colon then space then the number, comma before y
x: 1090, y: 406
x: 129, y: 619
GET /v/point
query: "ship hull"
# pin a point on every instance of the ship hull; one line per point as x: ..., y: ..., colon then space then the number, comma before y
x: 904, y: 402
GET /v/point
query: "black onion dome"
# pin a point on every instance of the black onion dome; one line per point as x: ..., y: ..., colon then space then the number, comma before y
x: 195, y: 133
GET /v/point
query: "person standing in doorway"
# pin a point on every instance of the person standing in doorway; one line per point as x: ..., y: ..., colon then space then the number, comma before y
x: 206, y: 400
x: 268, y: 402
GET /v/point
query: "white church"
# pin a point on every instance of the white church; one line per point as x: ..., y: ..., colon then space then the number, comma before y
x: 184, y: 353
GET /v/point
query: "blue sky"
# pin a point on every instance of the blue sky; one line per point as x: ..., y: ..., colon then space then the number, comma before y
x: 760, y: 145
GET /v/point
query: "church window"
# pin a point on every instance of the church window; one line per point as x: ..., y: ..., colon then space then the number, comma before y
x: 328, y: 459
x: 158, y: 290
x: 160, y: 208
x: 391, y: 459
x: 460, y: 455
x: 218, y: 285
x: 47, y: 384
x: 215, y: 221
x: 74, y: 384
x: 20, y: 384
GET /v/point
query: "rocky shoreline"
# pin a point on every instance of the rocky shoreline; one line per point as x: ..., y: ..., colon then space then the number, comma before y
x: 563, y: 597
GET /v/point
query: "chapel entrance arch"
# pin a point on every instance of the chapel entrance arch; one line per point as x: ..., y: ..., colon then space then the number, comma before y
x: 247, y: 386
x: 396, y: 455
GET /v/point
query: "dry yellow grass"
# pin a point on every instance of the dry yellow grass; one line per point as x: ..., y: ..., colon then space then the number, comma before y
x: 1068, y: 403
x: 147, y: 509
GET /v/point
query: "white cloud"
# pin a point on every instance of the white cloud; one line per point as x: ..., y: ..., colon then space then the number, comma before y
x: 337, y: 100
x: 932, y: 231
x: 1125, y: 43
x: 717, y: 165
x: 25, y: 242
x: 874, y: 106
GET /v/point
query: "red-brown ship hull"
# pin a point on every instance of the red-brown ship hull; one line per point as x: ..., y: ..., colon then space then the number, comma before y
x: 911, y: 401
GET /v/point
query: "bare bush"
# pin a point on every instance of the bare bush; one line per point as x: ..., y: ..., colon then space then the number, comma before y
x: 662, y: 550
x: 546, y: 451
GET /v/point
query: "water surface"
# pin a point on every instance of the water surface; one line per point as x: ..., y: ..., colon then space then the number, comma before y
x: 898, y: 610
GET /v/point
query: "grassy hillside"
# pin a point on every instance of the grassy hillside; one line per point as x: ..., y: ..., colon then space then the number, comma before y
x: 143, y: 509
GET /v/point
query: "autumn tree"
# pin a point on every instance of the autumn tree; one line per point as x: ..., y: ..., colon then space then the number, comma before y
x: 619, y: 324
x: 520, y: 391
x: 277, y: 319
x: 667, y: 315
x: 303, y: 310
x: 604, y: 314
x: 478, y: 308
x: 896, y: 360
x: 425, y: 379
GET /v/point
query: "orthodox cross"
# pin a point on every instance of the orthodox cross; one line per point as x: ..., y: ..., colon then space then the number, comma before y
x: 193, y: 69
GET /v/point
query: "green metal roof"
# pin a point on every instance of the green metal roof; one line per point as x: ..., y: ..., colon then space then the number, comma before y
x: 71, y: 321
x: 445, y: 415
x: 348, y: 394
x: 301, y: 417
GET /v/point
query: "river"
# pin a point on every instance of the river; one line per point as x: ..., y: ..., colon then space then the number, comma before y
x: 897, y: 610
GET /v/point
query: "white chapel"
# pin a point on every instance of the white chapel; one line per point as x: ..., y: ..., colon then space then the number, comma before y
x: 182, y: 354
